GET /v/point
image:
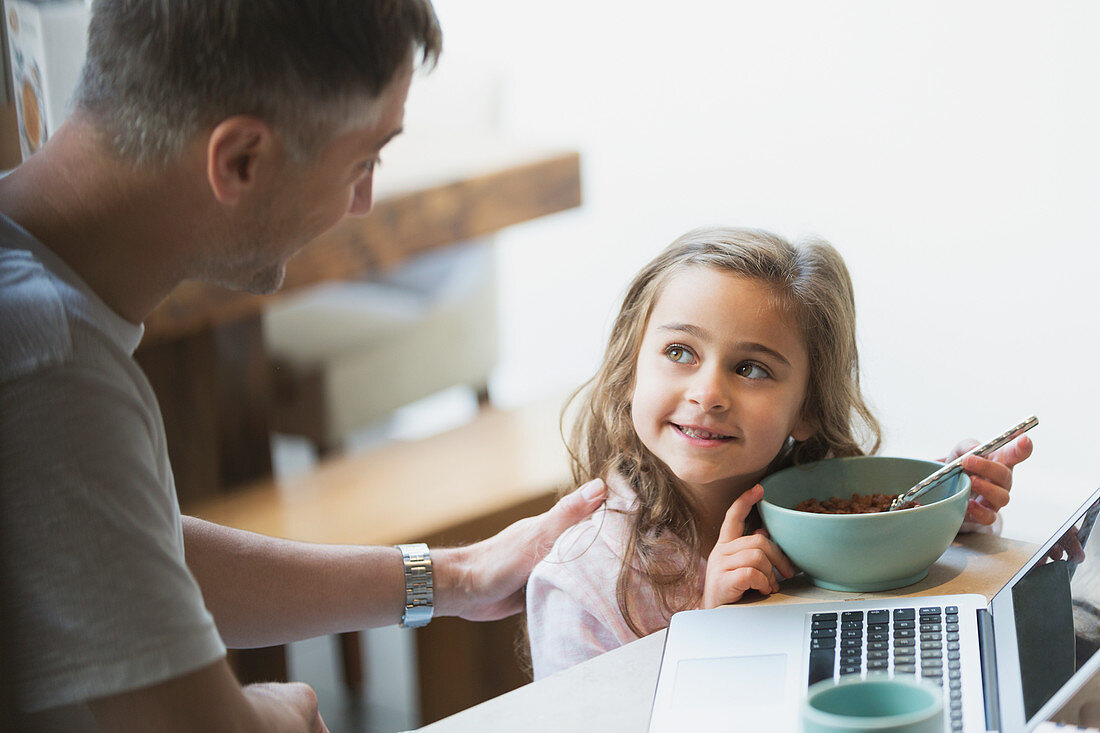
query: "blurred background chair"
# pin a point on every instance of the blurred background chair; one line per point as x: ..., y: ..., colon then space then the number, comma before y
x: 347, y: 354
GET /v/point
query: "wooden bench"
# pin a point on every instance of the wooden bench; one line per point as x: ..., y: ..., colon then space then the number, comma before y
x: 455, y: 487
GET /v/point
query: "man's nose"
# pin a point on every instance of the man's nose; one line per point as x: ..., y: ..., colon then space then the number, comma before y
x: 362, y: 197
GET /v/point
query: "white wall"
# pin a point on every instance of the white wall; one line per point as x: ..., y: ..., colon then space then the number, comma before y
x: 951, y: 151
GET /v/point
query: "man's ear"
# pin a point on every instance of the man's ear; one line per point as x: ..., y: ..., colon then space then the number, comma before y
x: 239, y: 151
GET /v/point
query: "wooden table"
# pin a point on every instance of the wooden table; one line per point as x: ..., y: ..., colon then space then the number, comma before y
x: 455, y: 487
x: 613, y: 693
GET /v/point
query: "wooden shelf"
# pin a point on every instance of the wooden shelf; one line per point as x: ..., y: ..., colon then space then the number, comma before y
x: 404, y: 222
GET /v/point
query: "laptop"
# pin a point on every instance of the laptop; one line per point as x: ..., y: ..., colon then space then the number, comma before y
x: 1004, y: 665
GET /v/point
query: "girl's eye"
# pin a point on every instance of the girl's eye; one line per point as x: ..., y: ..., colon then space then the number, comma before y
x: 752, y: 371
x: 680, y: 354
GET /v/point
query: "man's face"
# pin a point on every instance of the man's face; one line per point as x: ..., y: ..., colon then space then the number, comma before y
x: 311, y: 197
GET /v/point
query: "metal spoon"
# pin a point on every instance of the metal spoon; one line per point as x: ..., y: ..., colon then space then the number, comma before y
x: 956, y: 465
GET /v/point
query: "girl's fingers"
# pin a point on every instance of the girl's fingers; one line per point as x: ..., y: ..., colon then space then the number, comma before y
x: 727, y: 552
x: 986, y: 468
x: 991, y: 478
x: 1015, y: 452
x: 744, y: 579
x: 978, y: 512
x: 994, y: 496
x: 755, y: 558
x: 1007, y: 456
x: 733, y: 526
x: 776, y: 557
x: 740, y: 562
x: 728, y: 587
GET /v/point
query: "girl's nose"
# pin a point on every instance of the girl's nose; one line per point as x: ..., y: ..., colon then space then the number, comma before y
x: 708, y: 390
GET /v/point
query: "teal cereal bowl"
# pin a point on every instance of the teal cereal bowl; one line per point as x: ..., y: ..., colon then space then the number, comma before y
x: 863, y: 552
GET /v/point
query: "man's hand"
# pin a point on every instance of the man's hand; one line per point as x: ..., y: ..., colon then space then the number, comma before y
x: 275, y: 702
x: 485, y: 581
x: 990, y: 477
x: 739, y: 563
x: 210, y: 700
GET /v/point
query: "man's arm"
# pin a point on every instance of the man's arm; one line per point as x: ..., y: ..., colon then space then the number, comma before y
x: 210, y: 701
x: 264, y: 591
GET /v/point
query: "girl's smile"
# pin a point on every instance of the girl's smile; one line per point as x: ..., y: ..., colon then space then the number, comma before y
x: 702, y: 437
x: 720, y: 381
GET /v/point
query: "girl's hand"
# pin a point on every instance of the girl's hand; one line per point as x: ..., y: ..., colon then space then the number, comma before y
x: 741, y: 562
x: 990, y: 477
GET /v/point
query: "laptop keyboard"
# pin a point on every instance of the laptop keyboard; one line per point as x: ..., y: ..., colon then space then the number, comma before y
x: 922, y: 642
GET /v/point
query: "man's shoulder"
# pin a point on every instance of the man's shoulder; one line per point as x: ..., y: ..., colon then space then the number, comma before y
x: 34, y: 327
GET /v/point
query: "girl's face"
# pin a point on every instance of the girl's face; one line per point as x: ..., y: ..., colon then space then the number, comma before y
x: 720, y: 380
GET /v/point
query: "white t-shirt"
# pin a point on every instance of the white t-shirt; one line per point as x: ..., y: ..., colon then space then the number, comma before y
x: 97, y: 597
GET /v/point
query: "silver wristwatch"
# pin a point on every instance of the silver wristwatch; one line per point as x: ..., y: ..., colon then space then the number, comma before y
x: 419, y: 592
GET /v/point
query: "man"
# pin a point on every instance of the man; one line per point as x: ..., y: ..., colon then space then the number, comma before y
x: 210, y: 139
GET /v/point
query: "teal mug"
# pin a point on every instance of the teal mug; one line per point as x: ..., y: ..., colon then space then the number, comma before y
x: 878, y: 703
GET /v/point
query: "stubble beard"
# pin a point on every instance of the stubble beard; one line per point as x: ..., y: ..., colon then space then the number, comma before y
x: 267, y: 280
x: 254, y: 260
x: 239, y: 265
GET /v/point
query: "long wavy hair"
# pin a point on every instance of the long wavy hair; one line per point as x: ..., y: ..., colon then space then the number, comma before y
x: 811, y: 283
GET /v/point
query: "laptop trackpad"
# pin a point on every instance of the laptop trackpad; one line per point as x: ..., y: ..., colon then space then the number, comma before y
x: 730, y: 681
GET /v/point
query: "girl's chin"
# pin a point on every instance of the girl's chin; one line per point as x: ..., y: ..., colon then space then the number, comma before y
x: 715, y: 480
x: 705, y: 479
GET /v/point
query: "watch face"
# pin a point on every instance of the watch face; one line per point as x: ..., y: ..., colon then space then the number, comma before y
x: 419, y: 590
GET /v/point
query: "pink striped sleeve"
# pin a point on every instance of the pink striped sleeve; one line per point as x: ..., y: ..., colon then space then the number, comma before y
x: 562, y: 630
x: 572, y: 611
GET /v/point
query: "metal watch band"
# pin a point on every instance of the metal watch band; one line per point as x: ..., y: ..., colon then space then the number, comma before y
x: 419, y: 591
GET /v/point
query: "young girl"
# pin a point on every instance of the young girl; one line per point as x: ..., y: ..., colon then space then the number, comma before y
x: 733, y: 356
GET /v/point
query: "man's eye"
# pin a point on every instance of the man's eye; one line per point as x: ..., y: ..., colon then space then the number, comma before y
x: 680, y: 354
x: 752, y: 371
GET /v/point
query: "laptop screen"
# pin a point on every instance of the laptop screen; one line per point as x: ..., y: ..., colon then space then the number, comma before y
x: 1057, y: 612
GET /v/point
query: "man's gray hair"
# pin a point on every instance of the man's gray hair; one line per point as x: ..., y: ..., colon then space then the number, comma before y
x: 160, y: 71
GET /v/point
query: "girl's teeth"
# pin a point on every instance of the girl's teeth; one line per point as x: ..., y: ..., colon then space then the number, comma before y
x: 700, y: 433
